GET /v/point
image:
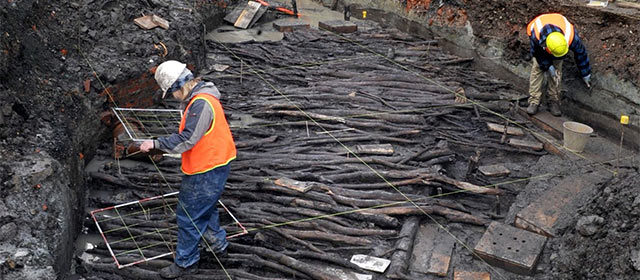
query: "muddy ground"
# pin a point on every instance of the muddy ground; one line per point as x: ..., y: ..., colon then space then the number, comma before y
x: 48, y: 120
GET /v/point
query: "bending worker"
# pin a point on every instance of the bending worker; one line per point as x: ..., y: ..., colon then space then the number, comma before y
x: 551, y: 37
x: 207, y: 147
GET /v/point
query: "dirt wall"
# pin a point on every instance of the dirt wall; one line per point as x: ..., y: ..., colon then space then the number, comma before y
x: 56, y: 59
x: 494, y: 33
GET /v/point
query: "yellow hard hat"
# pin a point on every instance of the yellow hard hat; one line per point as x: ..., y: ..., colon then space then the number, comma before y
x: 556, y: 44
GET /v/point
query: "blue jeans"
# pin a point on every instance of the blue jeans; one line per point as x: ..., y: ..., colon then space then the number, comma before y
x: 197, y: 207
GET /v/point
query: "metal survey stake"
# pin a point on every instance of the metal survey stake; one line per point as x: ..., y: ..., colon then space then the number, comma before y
x: 624, y: 120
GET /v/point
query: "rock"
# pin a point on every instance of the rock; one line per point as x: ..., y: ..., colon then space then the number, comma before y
x: 589, y: 225
x: 635, y: 259
x: 8, y: 231
x: 636, y: 201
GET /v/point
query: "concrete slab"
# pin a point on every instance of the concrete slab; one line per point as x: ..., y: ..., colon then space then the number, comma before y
x: 471, y: 275
x: 289, y: 25
x: 338, y: 26
x: 432, y: 250
x: 510, y: 248
x: 494, y: 170
x: 557, y: 203
x: 537, y: 146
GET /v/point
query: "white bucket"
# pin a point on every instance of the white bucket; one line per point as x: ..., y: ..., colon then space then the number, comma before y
x: 576, y: 136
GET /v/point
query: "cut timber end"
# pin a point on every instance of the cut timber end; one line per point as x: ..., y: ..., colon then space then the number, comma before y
x: 290, y: 25
x: 494, y: 170
x: 536, y: 146
x: 510, y: 248
x: 471, y: 275
x: 500, y: 128
x: 338, y: 26
x: 432, y: 250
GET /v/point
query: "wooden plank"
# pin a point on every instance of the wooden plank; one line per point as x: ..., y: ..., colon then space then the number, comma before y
x: 338, y: 26
x: 247, y: 15
x: 494, y: 170
x: 145, y: 22
x: 259, y: 14
x: 375, y: 149
x: 544, y: 214
x: 295, y: 185
x: 432, y: 249
x: 536, y: 146
x: 235, y: 13
x: 471, y: 275
x: 160, y: 21
x: 500, y: 128
x: 625, y: 4
x: 289, y: 25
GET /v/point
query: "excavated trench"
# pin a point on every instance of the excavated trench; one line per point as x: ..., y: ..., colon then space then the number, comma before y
x: 385, y: 94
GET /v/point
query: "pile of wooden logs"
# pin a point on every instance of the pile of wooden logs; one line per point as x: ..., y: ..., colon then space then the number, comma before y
x: 340, y: 140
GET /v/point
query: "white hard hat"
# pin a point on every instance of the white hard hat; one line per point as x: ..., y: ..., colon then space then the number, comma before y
x: 168, y: 73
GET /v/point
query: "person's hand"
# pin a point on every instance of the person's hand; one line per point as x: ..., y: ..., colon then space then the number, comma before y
x: 552, y: 72
x: 146, y: 146
x: 587, y: 80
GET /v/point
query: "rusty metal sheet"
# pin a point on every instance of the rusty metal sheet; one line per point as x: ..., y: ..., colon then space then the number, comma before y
x: 338, y: 26
x: 432, y: 249
x: 471, y: 275
x: 288, y: 25
x: 510, y: 248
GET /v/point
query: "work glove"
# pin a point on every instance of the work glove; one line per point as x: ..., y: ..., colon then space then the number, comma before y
x: 552, y: 72
x: 587, y: 80
x: 554, y: 75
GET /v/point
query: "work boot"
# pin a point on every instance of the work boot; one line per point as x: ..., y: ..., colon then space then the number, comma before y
x: 554, y: 108
x: 219, y: 248
x: 174, y: 271
x: 532, y: 109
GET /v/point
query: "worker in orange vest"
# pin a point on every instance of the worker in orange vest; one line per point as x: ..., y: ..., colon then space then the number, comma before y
x: 206, y: 144
x: 551, y: 37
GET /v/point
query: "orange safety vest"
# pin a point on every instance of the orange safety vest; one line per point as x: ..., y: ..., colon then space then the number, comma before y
x: 216, y: 147
x: 555, y: 19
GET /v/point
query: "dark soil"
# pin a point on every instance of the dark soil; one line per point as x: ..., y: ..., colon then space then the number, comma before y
x: 611, y: 249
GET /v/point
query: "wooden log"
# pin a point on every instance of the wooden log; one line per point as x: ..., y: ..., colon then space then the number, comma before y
x: 404, y: 246
x: 283, y: 259
x: 450, y: 214
x: 325, y: 236
x: 468, y: 186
